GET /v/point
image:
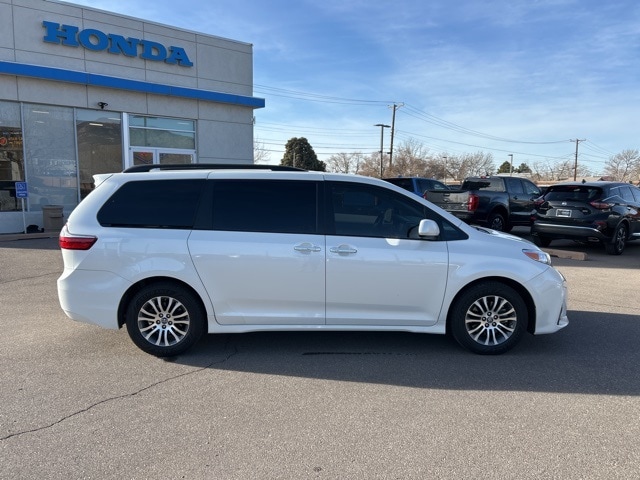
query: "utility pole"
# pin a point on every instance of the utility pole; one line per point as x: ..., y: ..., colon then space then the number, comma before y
x: 445, y: 169
x: 575, y: 164
x: 393, y: 129
x: 511, y: 165
x: 382, y: 127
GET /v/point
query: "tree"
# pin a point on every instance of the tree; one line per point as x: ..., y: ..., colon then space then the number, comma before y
x: 523, y: 168
x: 370, y: 166
x: 471, y: 165
x: 299, y: 153
x: 624, y: 166
x: 345, y: 162
x: 409, y: 160
x: 505, y: 167
x: 260, y: 154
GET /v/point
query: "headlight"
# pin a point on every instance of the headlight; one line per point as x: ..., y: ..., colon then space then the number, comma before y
x: 538, y: 256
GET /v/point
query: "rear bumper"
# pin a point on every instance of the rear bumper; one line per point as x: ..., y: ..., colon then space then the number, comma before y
x: 550, y: 230
x: 91, y: 296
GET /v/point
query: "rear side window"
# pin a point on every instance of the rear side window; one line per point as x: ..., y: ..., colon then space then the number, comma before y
x: 272, y: 206
x: 490, y: 184
x: 405, y: 183
x: 153, y: 204
x: 431, y: 185
x: 515, y: 185
x: 627, y: 194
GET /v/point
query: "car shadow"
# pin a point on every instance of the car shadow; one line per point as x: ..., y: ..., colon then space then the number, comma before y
x: 587, y: 357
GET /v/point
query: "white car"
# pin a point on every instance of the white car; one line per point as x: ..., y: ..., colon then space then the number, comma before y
x: 173, y: 252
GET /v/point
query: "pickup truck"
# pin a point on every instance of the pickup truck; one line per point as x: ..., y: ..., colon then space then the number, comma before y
x: 418, y: 185
x: 496, y: 202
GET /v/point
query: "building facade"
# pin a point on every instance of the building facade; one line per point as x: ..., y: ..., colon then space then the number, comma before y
x: 84, y: 91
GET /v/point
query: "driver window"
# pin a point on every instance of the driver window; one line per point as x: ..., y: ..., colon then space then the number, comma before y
x: 370, y: 211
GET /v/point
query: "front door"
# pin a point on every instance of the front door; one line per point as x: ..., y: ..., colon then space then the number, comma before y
x: 378, y: 271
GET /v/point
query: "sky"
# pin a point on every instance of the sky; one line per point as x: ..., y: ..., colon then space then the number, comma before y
x: 520, y: 77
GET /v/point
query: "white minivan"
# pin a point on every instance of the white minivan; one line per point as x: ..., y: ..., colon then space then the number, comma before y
x: 174, y: 251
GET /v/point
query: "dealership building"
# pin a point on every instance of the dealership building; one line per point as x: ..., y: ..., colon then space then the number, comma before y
x: 84, y: 92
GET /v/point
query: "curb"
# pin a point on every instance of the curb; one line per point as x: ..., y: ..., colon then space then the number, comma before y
x: 27, y: 236
x: 566, y: 254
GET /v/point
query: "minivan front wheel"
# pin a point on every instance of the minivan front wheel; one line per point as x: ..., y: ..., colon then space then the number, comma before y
x: 165, y: 319
x: 618, y: 241
x: 489, y: 318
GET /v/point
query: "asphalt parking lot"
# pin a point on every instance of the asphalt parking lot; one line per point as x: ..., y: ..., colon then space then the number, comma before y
x: 81, y: 402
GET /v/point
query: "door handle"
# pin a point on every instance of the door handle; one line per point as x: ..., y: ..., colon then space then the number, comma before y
x: 307, y: 248
x: 343, y: 250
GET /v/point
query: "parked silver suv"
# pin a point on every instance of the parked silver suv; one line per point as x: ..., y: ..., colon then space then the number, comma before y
x: 173, y: 252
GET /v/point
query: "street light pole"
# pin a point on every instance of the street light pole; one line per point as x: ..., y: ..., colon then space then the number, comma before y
x: 382, y: 127
x: 511, y: 165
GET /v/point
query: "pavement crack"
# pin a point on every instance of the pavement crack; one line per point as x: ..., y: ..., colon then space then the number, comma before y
x: 231, y: 354
x: 13, y: 280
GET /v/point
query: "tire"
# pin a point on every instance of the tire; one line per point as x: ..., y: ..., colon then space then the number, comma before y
x: 495, y: 301
x: 541, y: 241
x: 497, y: 222
x: 165, y: 319
x: 619, y: 240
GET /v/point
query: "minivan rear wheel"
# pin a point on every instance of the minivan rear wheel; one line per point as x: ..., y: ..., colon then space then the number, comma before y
x: 489, y: 318
x: 165, y: 319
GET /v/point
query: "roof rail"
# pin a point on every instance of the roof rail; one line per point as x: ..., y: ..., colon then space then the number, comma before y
x: 211, y: 166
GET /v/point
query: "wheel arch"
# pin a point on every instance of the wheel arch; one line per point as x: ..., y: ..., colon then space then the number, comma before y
x: 522, y: 291
x: 136, y: 287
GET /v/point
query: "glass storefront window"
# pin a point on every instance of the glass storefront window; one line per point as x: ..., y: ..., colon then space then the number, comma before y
x: 11, y: 155
x: 99, y: 145
x: 162, y: 132
x: 50, y: 156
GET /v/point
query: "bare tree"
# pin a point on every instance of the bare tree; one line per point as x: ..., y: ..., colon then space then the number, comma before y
x: 624, y: 166
x: 260, y: 154
x: 409, y: 160
x: 345, y: 162
x: 470, y: 164
x: 370, y: 166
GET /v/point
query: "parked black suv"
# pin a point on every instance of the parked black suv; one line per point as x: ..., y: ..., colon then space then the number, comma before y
x: 605, y: 212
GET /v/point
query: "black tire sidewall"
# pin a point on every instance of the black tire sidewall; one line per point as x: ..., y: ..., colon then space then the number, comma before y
x: 503, y: 221
x: 196, y: 318
x: 462, y: 304
x: 612, y: 247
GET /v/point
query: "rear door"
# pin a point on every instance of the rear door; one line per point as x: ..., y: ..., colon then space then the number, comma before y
x: 378, y: 271
x: 521, y: 198
x: 260, y: 251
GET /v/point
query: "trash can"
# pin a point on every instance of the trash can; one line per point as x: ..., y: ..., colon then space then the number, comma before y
x: 52, y: 218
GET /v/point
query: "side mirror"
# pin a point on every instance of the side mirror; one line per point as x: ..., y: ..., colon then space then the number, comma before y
x: 428, y: 229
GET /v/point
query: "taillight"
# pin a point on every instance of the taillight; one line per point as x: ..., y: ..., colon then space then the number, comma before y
x: 474, y: 201
x: 75, y: 242
x: 601, y: 205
